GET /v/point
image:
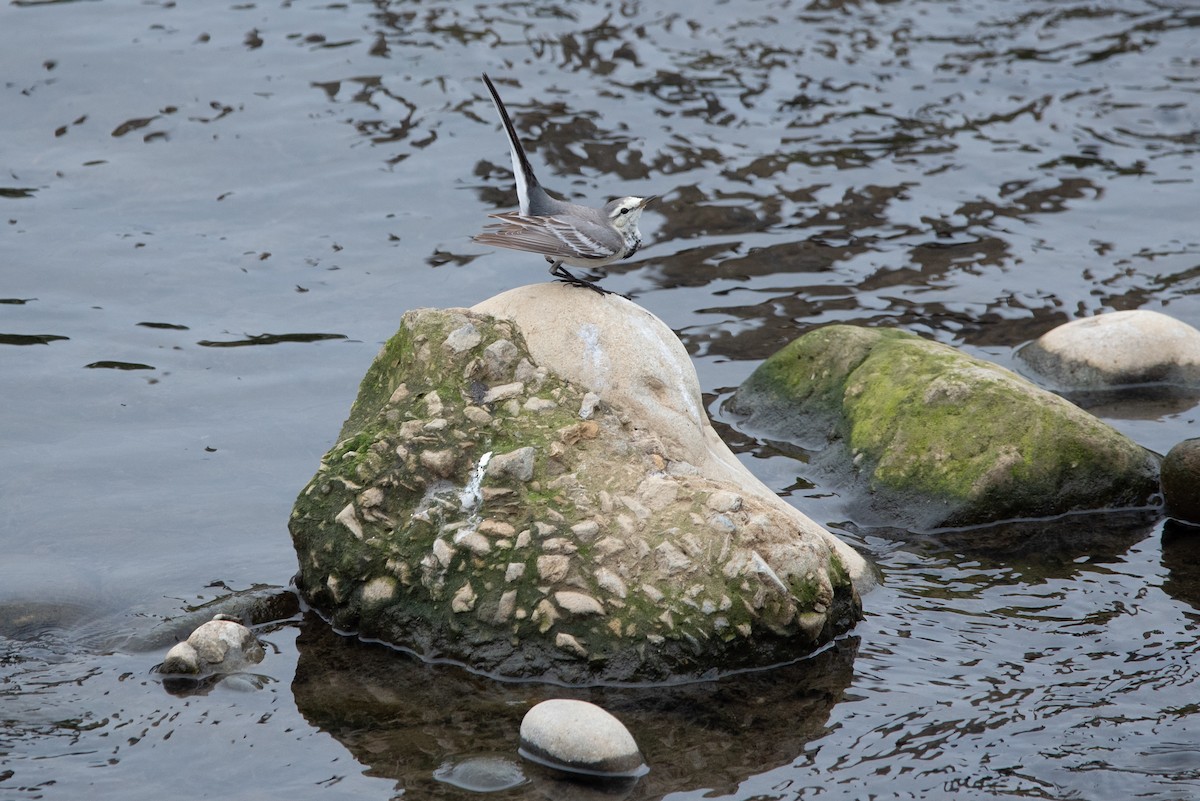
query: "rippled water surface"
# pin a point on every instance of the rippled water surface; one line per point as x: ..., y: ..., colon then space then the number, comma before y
x: 211, y: 215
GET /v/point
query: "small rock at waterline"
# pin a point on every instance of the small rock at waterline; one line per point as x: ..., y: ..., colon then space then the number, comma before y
x: 1117, y: 349
x: 222, y: 645
x: 1181, y: 481
x: 579, y: 737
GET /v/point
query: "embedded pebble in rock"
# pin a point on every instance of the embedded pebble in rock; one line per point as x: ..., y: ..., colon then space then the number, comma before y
x: 578, y: 603
x: 611, y: 583
x: 499, y: 358
x: 1117, y: 348
x: 553, y: 568
x: 442, y: 462
x: 477, y: 415
x: 1181, y: 481
x: 474, y: 542
x: 463, y: 338
x: 506, y: 606
x: 222, y: 645
x: 503, y: 392
x: 539, y: 405
x: 517, y: 464
x: 433, y: 405
x: 567, y: 642
x: 586, y: 531
x: 464, y: 600
x: 579, y: 737
x: 724, y: 501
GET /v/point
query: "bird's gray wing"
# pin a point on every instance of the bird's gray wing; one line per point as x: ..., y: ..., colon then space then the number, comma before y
x: 554, y: 237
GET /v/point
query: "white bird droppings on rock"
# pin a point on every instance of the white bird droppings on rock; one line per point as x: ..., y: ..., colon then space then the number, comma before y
x: 579, y: 737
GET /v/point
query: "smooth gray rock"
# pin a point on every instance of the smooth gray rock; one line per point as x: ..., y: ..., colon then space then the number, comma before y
x: 1117, y: 349
x: 580, y: 737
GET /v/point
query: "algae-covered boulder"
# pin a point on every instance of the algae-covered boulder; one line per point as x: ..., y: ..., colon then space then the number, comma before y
x: 935, y: 438
x: 483, y: 509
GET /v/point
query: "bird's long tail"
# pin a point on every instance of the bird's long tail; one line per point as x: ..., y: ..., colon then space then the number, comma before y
x: 528, y: 187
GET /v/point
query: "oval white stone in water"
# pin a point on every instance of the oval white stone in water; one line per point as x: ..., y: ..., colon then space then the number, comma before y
x: 1116, y: 348
x: 579, y: 737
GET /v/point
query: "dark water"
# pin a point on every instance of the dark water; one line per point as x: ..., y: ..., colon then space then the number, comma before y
x: 213, y: 214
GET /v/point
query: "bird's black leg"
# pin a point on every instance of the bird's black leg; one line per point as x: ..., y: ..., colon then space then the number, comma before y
x: 562, y: 274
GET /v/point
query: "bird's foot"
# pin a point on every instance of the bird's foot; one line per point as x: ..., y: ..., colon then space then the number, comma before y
x: 561, y: 273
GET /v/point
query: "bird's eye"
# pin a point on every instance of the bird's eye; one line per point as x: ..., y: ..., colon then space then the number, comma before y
x: 625, y: 210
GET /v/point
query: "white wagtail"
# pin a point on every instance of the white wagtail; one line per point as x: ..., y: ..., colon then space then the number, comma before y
x: 565, y: 233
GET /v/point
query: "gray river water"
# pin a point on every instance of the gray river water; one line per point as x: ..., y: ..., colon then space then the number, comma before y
x: 213, y: 213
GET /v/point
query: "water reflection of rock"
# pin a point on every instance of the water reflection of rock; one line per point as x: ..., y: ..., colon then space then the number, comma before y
x: 1048, y: 548
x: 1143, y: 402
x: 1181, y: 558
x: 402, y: 718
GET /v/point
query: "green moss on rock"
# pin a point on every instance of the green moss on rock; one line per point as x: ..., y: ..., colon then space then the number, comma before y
x: 592, y: 565
x: 938, y: 438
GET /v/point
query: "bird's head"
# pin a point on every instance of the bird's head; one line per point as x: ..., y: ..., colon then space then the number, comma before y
x: 624, y: 212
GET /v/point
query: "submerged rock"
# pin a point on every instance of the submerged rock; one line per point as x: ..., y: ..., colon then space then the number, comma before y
x: 1117, y: 349
x: 935, y: 438
x: 579, y: 737
x: 481, y: 774
x: 459, y: 518
x: 222, y: 645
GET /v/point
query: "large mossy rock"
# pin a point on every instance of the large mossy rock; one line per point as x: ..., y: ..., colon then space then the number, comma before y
x: 934, y: 438
x: 585, y: 547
